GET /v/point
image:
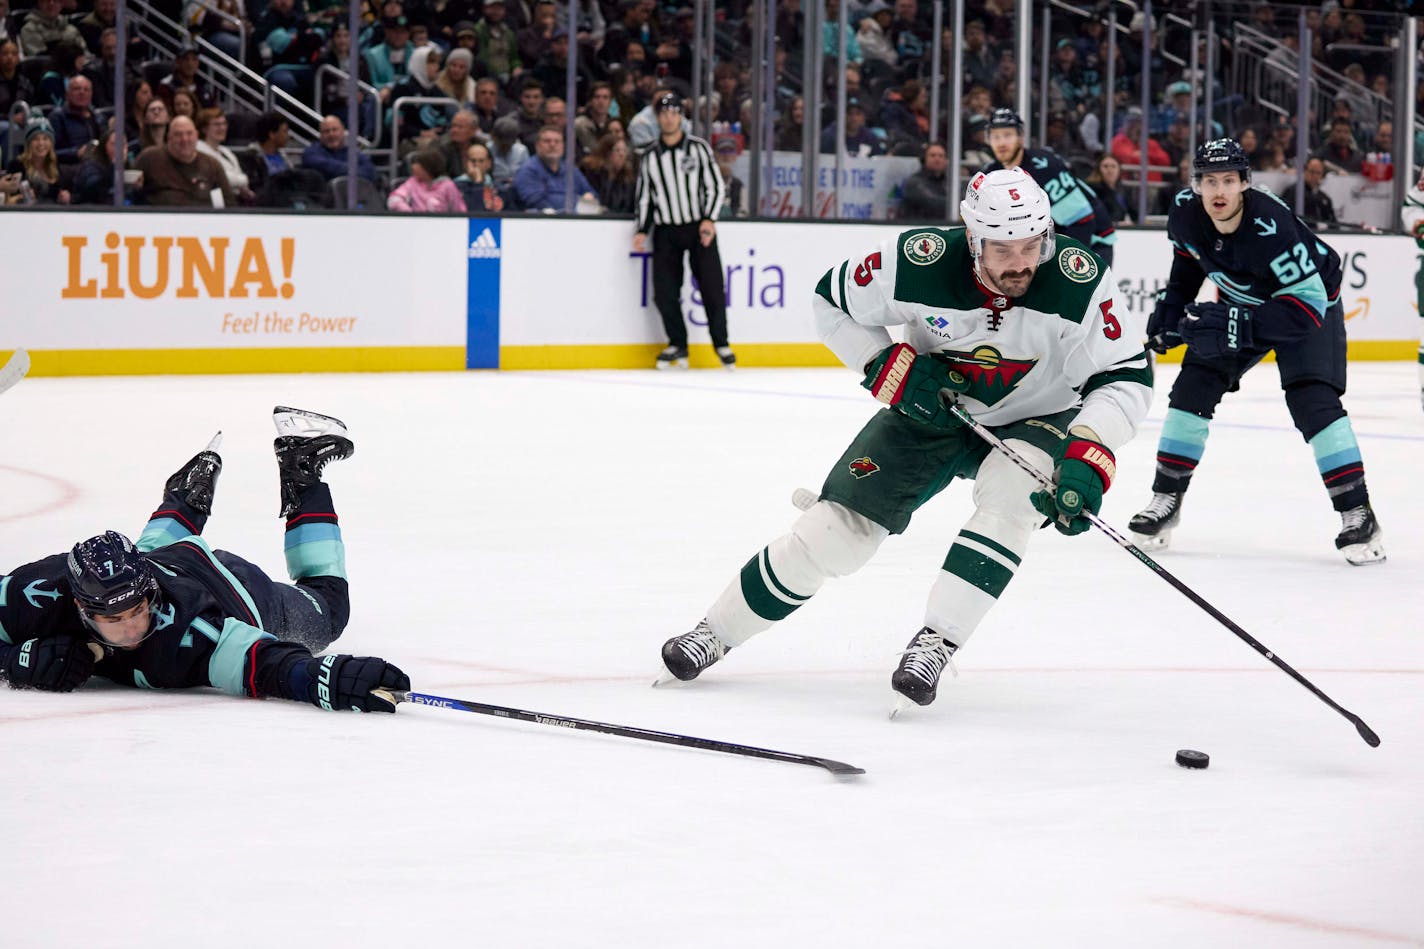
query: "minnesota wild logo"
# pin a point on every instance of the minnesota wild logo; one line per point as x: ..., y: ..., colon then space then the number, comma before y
x: 991, y: 375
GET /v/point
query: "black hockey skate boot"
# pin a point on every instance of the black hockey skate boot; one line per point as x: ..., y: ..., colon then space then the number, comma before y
x: 1360, y: 538
x: 728, y: 358
x: 924, y: 659
x: 196, y: 481
x: 673, y: 357
x: 306, y: 443
x: 686, y: 656
x: 1153, y: 524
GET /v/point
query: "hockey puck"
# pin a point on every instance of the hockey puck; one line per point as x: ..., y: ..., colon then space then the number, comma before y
x: 1193, y: 759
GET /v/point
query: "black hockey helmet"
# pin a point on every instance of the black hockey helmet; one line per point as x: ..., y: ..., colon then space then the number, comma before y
x: 1222, y: 154
x: 107, y: 575
x: 1006, y: 119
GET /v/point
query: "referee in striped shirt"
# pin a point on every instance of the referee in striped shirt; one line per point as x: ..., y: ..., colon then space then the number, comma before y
x: 680, y: 191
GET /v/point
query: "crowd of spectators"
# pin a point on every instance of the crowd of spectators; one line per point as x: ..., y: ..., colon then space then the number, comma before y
x: 488, y: 135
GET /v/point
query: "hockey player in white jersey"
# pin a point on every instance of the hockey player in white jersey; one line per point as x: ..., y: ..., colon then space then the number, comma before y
x: 1413, y: 218
x: 1021, y: 328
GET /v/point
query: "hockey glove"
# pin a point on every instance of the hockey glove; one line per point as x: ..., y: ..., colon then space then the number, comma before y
x: 1162, y: 326
x: 1217, y: 331
x: 195, y: 482
x: 911, y: 384
x: 58, y: 664
x: 1082, y: 471
x: 338, y: 683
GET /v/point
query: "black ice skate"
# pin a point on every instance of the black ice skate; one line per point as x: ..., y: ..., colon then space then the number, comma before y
x: 687, y: 655
x: 1153, y: 524
x: 196, y: 481
x: 916, y: 679
x: 728, y: 358
x: 306, y: 443
x: 1360, y: 538
x: 673, y: 357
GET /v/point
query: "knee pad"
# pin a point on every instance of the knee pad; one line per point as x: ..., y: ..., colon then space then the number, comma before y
x: 1002, y: 489
x: 1313, y: 407
x: 1199, y: 389
x: 835, y: 539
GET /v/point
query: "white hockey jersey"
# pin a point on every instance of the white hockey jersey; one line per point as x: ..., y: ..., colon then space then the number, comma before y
x: 1063, y: 344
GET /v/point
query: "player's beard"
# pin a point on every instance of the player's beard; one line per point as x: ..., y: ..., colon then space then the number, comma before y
x: 1011, y: 283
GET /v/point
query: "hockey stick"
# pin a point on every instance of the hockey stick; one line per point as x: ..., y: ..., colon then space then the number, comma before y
x: 14, y: 369
x: 838, y: 768
x: 1365, y: 731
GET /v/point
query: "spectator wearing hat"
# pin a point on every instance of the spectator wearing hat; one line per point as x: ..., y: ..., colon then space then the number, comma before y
x: 725, y: 148
x: 1176, y: 104
x: 1067, y: 86
x: 977, y: 152
x: 923, y: 194
x: 454, y: 79
x: 507, y: 151
x: 327, y: 156
x: 539, y: 182
x: 389, y: 60
x: 39, y: 178
x: 499, y: 46
x: 875, y: 45
x: 176, y: 174
x: 981, y: 60
x: 680, y: 195
x: 427, y: 190
x: 859, y: 140
x: 464, y: 36
x: 75, y: 127
x: 1127, y: 146
x: 47, y: 27
x: 185, y: 78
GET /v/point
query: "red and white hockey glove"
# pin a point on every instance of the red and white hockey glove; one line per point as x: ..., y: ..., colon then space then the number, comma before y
x: 1083, y: 470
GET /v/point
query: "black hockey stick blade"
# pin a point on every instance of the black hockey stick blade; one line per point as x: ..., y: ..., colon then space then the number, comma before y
x: 838, y: 768
x: 1365, y: 731
x: 14, y: 369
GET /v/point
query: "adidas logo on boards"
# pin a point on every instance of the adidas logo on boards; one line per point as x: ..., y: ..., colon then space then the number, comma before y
x: 485, y: 245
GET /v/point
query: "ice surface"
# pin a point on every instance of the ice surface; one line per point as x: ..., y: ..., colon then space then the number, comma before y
x: 531, y: 539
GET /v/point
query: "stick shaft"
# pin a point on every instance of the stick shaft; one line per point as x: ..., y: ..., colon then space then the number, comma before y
x: 14, y: 369
x: 624, y: 731
x: 1365, y: 731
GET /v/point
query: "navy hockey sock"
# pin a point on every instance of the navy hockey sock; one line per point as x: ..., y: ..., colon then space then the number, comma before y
x: 1179, y: 451
x: 1337, y: 455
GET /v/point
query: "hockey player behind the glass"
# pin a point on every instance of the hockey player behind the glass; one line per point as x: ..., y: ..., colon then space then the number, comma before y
x: 170, y: 612
x: 1022, y: 327
x: 1280, y: 290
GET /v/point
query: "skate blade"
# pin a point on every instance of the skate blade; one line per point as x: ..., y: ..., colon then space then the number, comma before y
x: 215, y: 444
x: 900, y: 704
x: 672, y: 364
x: 1362, y: 555
x: 1159, y: 541
x: 666, y: 678
x: 305, y: 424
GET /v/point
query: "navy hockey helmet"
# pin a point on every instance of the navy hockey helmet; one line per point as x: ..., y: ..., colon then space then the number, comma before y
x: 107, y: 575
x: 1006, y: 119
x: 1222, y: 154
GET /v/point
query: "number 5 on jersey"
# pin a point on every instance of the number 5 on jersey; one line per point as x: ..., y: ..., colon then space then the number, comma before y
x: 865, y: 270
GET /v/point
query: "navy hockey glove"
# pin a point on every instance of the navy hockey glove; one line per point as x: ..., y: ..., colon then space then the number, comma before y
x: 338, y: 683
x: 911, y: 384
x: 1217, y: 330
x: 58, y: 664
x: 1162, y: 326
x: 1082, y: 471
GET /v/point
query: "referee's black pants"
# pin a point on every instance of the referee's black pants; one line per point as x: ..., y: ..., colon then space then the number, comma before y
x: 670, y: 242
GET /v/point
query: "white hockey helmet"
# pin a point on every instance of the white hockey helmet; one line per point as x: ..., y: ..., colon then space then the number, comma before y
x: 1006, y: 205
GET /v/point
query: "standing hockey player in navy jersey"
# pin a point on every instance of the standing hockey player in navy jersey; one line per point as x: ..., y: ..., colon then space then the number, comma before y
x: 1022, y: 326
x: 1280, y: 290
x: 169, y: 612
x: 1077, y: 211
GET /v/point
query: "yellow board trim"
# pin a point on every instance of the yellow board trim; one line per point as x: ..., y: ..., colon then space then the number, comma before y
x: 642, y: 356
x: 1359, y: 350
x: 149, y: 362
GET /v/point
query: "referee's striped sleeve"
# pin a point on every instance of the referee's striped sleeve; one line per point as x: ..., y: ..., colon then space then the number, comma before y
x: 714, y: 189
x: 643, y: 200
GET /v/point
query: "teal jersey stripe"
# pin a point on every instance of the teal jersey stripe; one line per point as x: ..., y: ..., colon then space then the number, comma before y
x: 4, y: 586
x: 321, y: 558
x: 1072, y: 209
x: 160, y: 532
x: 993, y: 545
x: 1310, y: 291
x: 206, y: 628
x: 1335, y: 445
x: 307, y: 533
x: 228, y: 662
